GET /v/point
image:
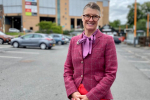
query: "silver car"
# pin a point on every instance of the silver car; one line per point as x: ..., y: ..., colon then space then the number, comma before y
x: 44, y: 41
x: 13, y: 30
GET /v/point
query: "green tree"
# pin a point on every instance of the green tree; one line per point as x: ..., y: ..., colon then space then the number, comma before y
x: 115, y: 23
x: 130, y: 16
x: 145, y: 9
x: 49, y: 27
x: 141, y: 24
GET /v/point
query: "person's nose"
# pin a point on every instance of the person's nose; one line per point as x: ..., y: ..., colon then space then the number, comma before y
x: 91, y: 18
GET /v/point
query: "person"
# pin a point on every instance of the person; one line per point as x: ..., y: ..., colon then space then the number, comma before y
x: 91, y: 64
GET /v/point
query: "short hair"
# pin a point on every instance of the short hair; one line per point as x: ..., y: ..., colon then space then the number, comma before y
x: 92, y: 5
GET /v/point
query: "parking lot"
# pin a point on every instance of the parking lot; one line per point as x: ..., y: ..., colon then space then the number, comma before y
x: 139, y: 57
x: 35, y: 74
x: 32, y: 73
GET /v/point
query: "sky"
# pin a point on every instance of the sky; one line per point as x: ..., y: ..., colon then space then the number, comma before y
x: 118, y: 9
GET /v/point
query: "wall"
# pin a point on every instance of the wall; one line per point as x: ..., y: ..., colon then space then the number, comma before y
x: 30, y: 21
x: 64, y: 15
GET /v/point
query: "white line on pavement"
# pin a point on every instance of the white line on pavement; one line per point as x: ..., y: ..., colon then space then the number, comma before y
x: 140, y: 61
x: 4, y: 47
x: 10, y: 57
x: 22, y: 52
x: 144, y: 69
x: 128, y: 56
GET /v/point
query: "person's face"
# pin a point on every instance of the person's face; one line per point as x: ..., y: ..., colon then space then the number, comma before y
x: 89, y: 22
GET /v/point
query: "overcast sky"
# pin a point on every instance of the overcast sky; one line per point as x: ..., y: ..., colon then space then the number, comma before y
x: 118, y: 9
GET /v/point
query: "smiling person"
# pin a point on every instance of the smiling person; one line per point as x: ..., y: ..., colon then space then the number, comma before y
x: 91, y: 64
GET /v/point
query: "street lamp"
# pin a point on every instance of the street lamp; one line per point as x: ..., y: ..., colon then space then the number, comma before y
x: 148, y: 24
x: 126, y: 28
x: 135, y: 18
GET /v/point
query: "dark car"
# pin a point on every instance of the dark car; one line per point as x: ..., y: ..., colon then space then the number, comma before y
x: 59, y: 38
x: 34, y: 40
x: 117, y: 39
x: 5, y: 38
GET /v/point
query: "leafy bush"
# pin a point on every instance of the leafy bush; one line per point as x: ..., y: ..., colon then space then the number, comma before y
x: 66, y: 32
x: 48, y: 27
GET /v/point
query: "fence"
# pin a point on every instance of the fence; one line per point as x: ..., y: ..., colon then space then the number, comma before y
x: 144, y: 41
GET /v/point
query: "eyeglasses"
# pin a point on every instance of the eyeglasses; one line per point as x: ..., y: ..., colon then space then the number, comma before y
x: 94, y: 17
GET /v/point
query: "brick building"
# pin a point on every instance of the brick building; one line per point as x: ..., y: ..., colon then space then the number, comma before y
x: 67, y: 13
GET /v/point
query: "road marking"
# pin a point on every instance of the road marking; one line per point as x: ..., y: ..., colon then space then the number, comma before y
x: 147, y: 53
x: 129, y: 51
x: 128, y: 56
x: 140, y: 61
x: 144, y: 69
x: 4, y: 47
x: 22, y: 52
x: 10, y: 57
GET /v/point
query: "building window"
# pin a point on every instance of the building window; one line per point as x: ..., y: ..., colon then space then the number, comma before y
x: 65, y: 23
x: 65, y: 8
x: 65, y: 12
x: 31, y: 28
x: 65, y: 18
x: 65, y: 3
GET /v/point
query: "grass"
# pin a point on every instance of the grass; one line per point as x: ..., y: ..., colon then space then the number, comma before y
x: 15, y: 34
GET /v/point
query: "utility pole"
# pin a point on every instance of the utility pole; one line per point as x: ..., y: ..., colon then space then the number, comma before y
x: 126, y: 29
x: 135, y: 18
x: 147, y: 24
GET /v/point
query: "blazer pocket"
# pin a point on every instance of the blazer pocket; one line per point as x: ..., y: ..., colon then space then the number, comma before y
x: 98, y: 78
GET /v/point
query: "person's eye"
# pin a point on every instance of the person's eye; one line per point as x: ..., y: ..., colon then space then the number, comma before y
x: 87, y: 16
x: 95, y: 16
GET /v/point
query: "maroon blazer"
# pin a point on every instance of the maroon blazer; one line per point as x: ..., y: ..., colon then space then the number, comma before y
x: 96, y: 72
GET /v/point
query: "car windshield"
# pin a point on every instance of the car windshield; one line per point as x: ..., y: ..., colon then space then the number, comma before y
x: 1, y: 33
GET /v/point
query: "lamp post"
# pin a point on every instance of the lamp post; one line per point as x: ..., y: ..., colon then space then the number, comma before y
x: 148, y: 24
x: 135, y: 18
x: 126, y: 28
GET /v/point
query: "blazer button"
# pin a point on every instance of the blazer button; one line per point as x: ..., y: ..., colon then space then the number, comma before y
x: 81, y: 75
x: 81, y: 62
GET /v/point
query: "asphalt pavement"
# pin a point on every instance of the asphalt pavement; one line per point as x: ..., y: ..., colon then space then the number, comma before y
x: 35, y: 74
x: 133, y: 76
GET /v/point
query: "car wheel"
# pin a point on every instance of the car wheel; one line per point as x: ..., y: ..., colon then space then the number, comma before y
x: 59, y: 43
x: 15, y: 44
x: 9, y: 43
x: 1, y: 41
x: 49, y: 47
x: 43, y: 46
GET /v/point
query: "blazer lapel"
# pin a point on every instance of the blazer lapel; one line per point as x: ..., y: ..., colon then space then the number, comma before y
x: 79, y: 46
x: 98, y: 35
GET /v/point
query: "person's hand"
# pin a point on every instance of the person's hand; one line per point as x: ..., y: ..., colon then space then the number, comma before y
x: 74, y: 95
x: 82, y: 97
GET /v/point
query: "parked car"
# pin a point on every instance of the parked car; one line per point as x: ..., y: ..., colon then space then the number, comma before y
x: 26, y: 30
x: 13, y: 30
x: 117, y: 39
x: 69, y: 37
x: 59, y: 38
x: 43, y: 41
x: 5, y: 38
x: 67, y: 40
